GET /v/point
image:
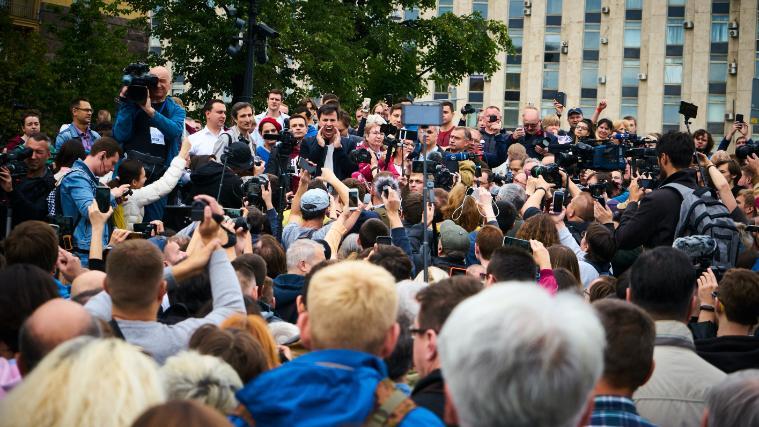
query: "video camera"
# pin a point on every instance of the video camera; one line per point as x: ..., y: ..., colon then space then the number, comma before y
x: 251, y: 188
x: 467, y: 109
x: 14, y: 161
x: 362, y: 155
x: 607, y: 157
x: 145, y: 228
x: 746, y: 150
x: 550, y: 172
x: 501, y: 180
x: 138, y: 80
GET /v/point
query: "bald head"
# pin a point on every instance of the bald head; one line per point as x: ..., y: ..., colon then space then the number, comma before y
x: 87, y: 285
x: 159, y: 93
x: 51, y: 324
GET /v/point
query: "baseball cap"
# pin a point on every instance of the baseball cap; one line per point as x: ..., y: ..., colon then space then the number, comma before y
x: 238, y: 156
x: 575, y: 110
x: 314, y: 200
x: 453, y: 237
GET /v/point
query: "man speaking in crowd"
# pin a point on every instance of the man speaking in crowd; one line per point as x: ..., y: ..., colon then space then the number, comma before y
x: 153, y: 128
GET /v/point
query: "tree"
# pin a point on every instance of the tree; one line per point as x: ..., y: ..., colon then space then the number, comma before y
x: 353, y: 49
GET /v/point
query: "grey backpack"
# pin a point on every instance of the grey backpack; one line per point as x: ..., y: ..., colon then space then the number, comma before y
x: 703, y: 214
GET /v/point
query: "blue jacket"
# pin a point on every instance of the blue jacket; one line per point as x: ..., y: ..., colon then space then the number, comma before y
x: 286, y: 288
x: 72, y: 132
x: 170, y: 122
x: 322, y: 388
x: 77, y: 193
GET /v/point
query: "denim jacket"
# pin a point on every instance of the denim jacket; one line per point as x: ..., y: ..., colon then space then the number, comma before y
x: 72, y: 132
x: 77, y: 193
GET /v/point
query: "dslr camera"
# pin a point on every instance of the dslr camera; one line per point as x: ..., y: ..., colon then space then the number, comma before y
x: 251, y: 188
x: 138, y: 80
x: 467, y: 109
x: 746, y: 150
x: 362, y: 155
x: 549, y: 172
x: 14, y: 161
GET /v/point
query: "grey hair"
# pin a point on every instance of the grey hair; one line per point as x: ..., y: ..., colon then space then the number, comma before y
x: 408, y: 306
x: 514, y: 352
x: 206, y: 379
x: 735, y: 400
x: 349, y: 246
x: 512, y: 193
x: 301, y: 250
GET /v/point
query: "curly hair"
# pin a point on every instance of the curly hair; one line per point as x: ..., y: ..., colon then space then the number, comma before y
x: 541, y: 228
x: 461, y: 209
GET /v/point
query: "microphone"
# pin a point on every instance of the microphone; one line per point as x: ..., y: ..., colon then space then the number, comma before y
x: 696, y: 247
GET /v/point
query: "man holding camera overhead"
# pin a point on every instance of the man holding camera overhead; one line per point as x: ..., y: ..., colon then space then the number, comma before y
x: 531, y: 135
x: 149, y: 122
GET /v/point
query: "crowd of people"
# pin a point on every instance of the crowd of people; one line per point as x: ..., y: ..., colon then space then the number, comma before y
x: 328, y: 266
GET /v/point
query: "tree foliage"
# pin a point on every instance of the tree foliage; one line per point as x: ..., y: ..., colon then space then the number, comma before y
x: 84, y: 57
x: 353, y: 49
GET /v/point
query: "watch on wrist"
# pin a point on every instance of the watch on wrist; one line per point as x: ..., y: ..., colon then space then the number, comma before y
x: 706, y: 307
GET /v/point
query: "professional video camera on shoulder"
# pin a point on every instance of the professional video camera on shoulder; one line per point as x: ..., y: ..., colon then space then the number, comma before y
x: 14, y: 162
x: 606, y: 157
x: 138, y: 80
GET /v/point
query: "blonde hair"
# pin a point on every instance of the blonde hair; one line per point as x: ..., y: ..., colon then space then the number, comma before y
x: 435, y: 274
x: 551, y: 120
x: 462, y: 209
x: 517, y: 152
x: 206, y: 379
x: 257, y: 327
x: 85, y: 382
x: 351, y: 305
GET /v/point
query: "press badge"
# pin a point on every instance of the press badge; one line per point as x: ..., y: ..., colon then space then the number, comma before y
x: 156, y: 137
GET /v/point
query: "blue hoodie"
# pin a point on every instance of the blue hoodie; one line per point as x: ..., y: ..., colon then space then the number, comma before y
x: 322, y: 388
x: 286, y: 288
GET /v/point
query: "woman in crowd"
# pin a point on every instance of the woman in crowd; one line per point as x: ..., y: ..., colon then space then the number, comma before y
x: 583, y: 130
x: 132, y: 172
x: 604, y: 129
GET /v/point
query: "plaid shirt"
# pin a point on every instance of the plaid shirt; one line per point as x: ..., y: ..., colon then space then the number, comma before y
x: 616, y: 411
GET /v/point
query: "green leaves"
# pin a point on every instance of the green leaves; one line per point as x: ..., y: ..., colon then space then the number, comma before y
x: 351, y: 48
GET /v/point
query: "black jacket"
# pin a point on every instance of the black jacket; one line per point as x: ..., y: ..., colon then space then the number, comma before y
x: 342, y: 165
x: 652, y: 221
x: 206, y: 179
x: 730, y: 353
x: 430, y: 393
x: 530, y: 141
x: 29, y: 198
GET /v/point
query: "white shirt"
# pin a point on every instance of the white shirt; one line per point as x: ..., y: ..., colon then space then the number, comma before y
x: 202, y: 142
x: 257, y: 138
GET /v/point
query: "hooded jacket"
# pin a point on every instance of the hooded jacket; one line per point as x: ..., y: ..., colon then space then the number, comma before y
x: 206, y: 179
x: 286, y: 288
x: 730, y: 353
x: 322, y: 388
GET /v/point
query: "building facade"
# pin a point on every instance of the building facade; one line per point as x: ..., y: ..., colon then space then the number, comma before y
x: 642, y: 56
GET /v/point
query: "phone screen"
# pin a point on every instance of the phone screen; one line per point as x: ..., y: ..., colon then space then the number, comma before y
x: 353, y: 199
x: 561, y: 98
x: 365, y: 104
x: 558, y: 202
x: 513, y: 241
x: 384, y: 240
x: 103, y: 198
x: 739, y: 118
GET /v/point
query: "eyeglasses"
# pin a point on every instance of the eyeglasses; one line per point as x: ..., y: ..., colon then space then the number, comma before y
x: 531, y: 125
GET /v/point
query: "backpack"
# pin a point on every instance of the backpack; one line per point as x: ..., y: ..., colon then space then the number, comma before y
x: 702, y: 214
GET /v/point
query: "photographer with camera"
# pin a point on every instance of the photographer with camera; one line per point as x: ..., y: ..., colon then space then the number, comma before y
x: 496, y: 141
x: 81, y: 113
x: 530, y: 134
x: 25, y: 188
x: 740, y: 128
x: 267, y: 126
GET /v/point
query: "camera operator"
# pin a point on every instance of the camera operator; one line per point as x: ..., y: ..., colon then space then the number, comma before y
x: 154, y: 127
x: 496, y: 142
x: 30, y: 124
x: 245, y: 123
x: 291, y: 150
x: 530, y: 134
x: 207, y: 178
x: 650, y: 219
x: 27, y: 195
x: 78, y: 187
x: 328, y: 149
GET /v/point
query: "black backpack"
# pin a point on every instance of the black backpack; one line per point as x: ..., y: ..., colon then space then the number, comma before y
x: 702, y: 214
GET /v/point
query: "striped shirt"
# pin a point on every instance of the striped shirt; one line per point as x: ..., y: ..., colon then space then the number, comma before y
x: 616, y: 411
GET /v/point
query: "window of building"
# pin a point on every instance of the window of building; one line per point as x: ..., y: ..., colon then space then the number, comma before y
x: 671, y: 115
x: 590, y: 75
x: 513, y: 75
x: 632, y: 34
x: 476, y: 89
x: 516, y: 9
x: 675, y: 32
x: 552, y: 45
x: 630, y: 70
x: 673, y: 71
x: 516, y: 40
x: 629, y: 107
x: 677, y: 2
x: 592, y: 5
x: 444, y: 6
x: 718, y: 70
x: 592, y: 37
x: 510, y: 114
x: 719, y: 28
x: 481, y: 7
x: 550, y: 76
x: 588, y: 105
x: 634, y: 4
x: 411, y: 14
x: 442, y: 91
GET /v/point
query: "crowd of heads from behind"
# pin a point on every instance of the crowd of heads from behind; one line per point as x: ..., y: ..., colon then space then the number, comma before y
x: 317, y: 264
